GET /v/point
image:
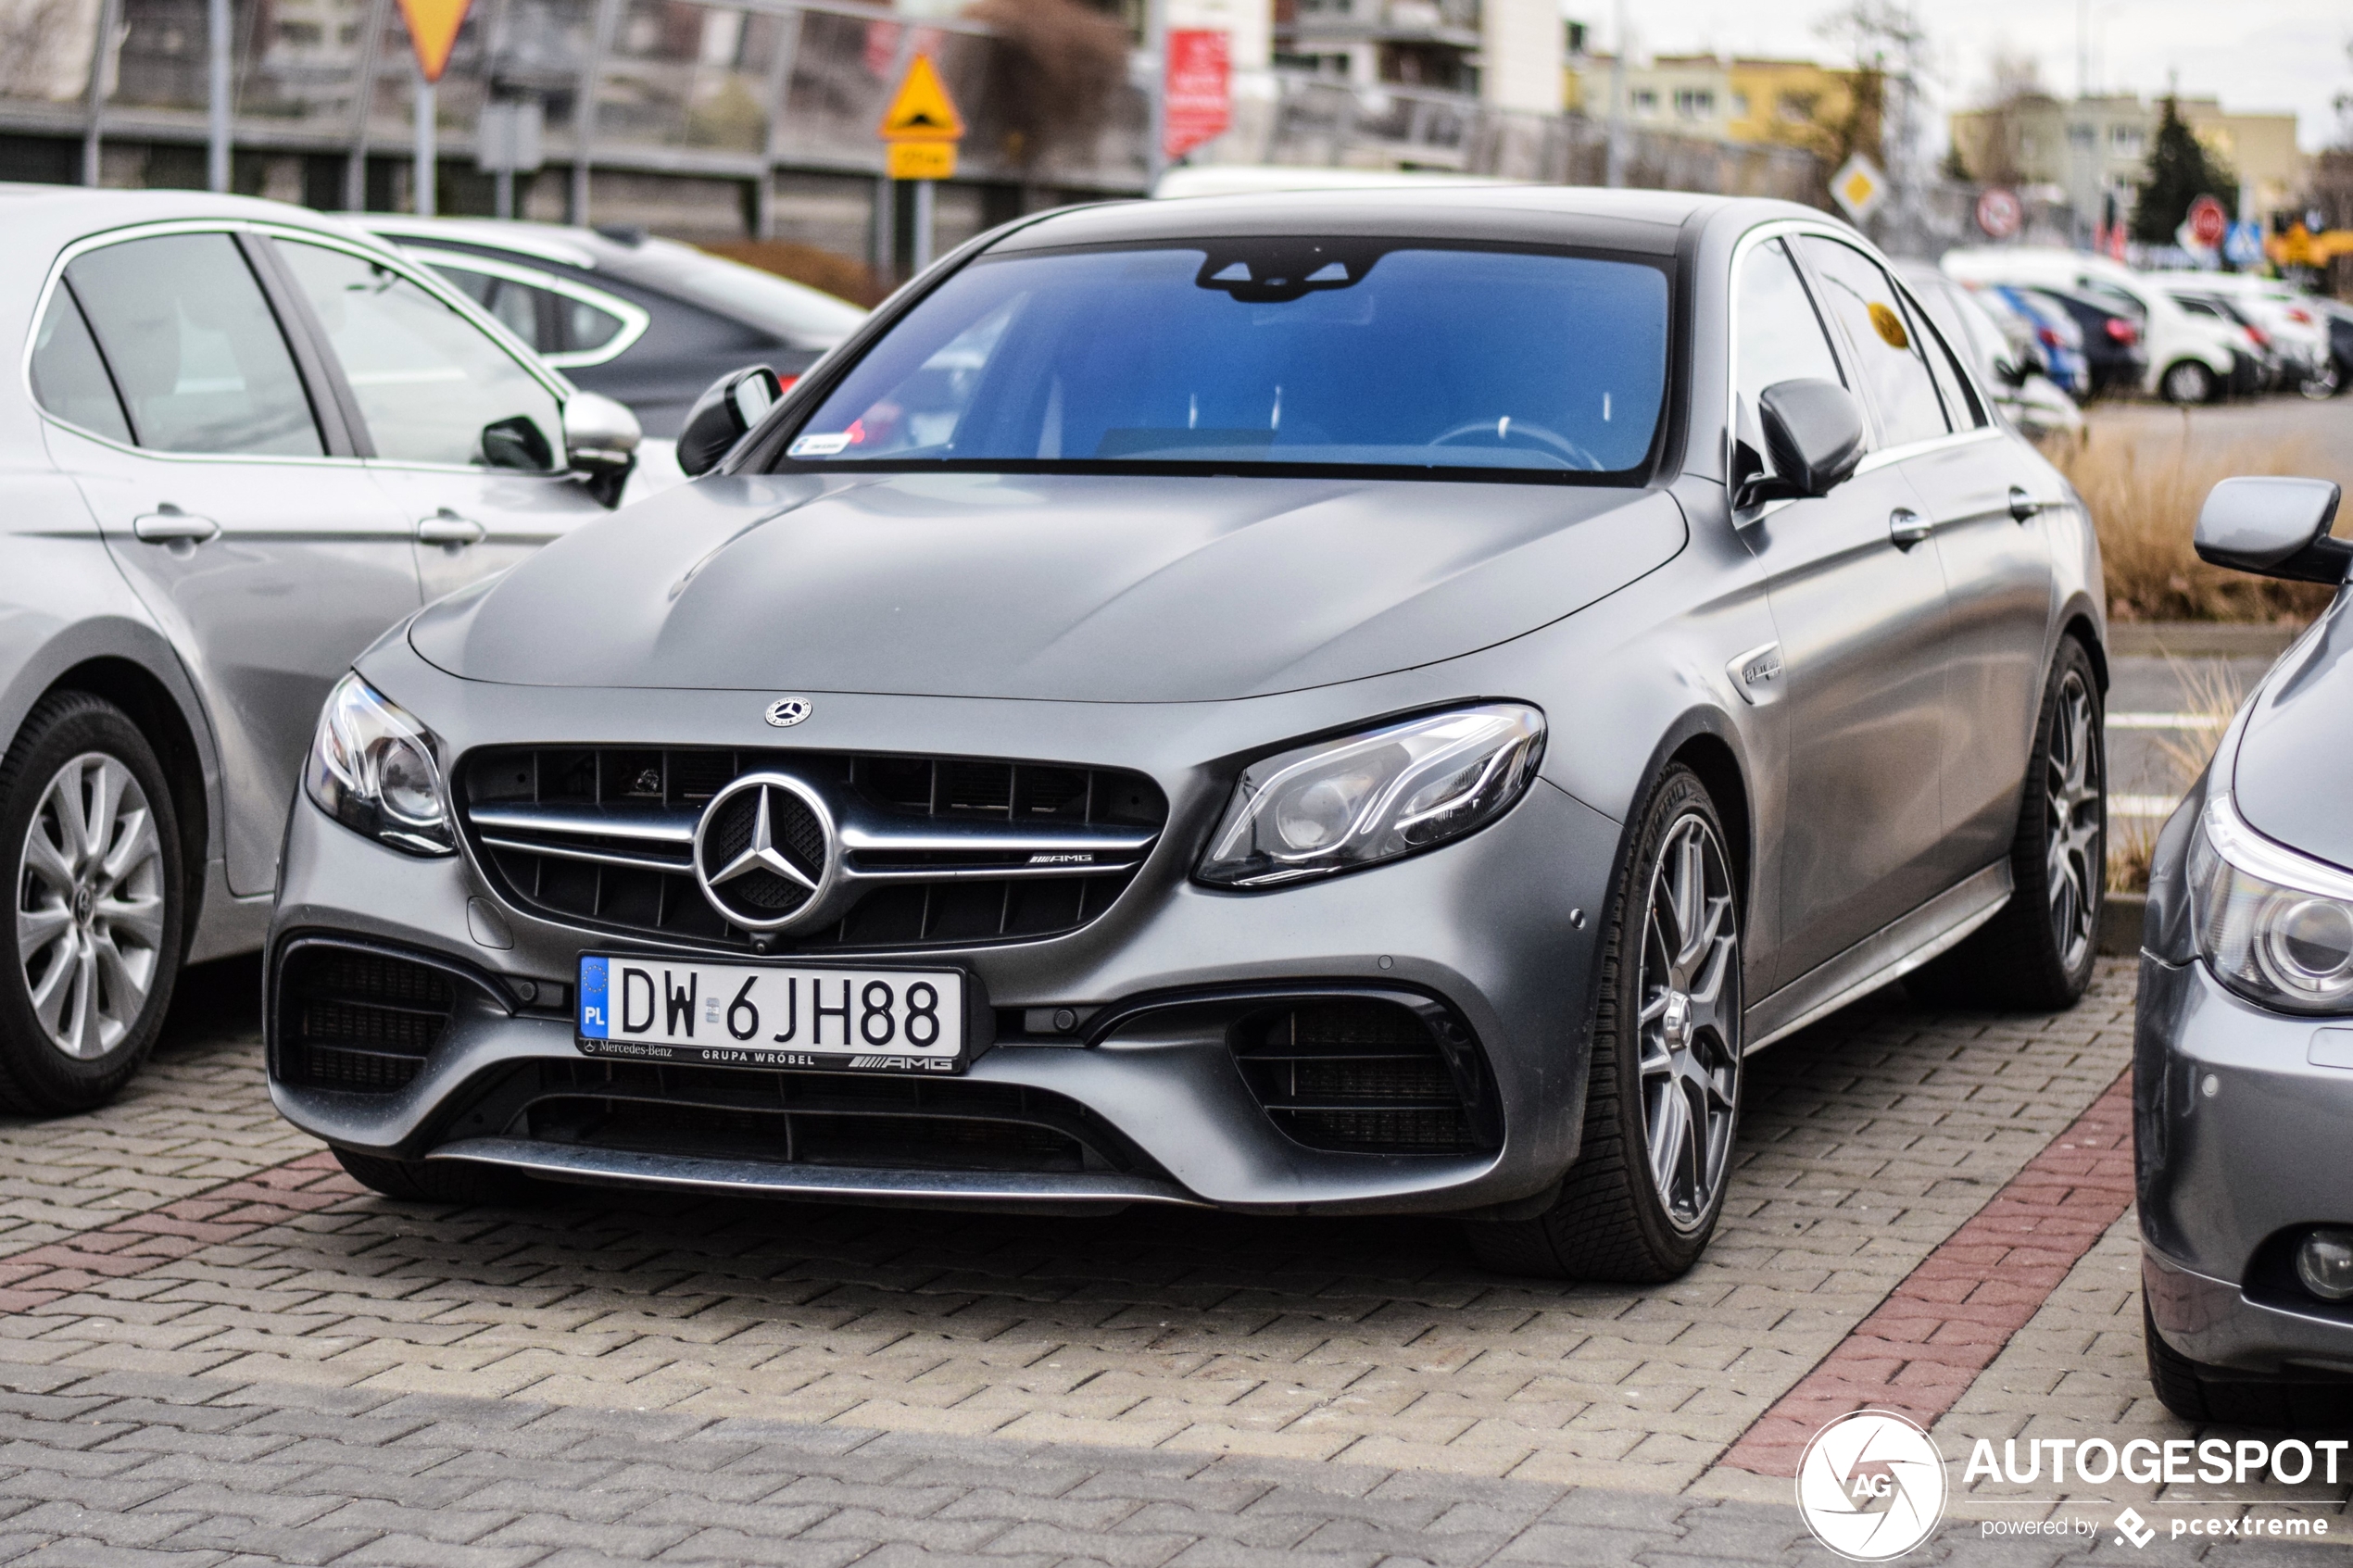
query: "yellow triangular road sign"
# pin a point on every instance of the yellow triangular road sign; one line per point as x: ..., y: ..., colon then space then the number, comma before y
x: 432, y: 31
x: 920, y: 112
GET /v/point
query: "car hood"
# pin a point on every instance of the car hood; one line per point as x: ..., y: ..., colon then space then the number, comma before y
x: 1077, y: 589
x: 2296, y: 746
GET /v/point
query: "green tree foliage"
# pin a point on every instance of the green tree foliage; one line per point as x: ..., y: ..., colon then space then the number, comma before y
x: 2180, y: 170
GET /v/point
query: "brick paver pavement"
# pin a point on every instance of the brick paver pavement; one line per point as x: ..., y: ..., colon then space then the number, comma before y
x: 215, y: 1346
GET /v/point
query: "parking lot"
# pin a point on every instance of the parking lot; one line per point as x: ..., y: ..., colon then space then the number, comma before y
x: 219, y: 1349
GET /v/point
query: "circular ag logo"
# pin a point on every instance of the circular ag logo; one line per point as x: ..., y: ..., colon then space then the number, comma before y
x: 1871, y: 1485
x: 786, y: 711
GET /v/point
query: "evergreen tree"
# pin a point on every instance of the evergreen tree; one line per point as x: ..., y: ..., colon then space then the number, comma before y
x: 2180, y: 170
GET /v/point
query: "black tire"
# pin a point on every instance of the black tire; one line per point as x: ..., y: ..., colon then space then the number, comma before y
x: 1611, y: 1221
x: 2038, y: 954
x: 2187, y: 381
x: 95, y: 945
x: 2200, y: 1393
x: 436, y: 1181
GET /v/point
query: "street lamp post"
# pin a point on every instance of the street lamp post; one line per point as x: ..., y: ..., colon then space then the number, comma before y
x: 216, y: 162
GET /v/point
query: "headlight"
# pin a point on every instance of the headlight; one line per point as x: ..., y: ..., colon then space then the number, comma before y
x: 2276, y: 927
x: 371, y: 769
x: 1342, y: 804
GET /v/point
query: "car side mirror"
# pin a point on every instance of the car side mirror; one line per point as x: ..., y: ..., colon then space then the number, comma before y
x: 2011, y: 372
x: 729, y: 407
x: 600, y: 443
x: 1814, y: 429
x: 2274, y: 527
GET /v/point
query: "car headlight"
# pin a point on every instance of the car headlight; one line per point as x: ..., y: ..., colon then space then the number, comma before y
x: 371, y: 769
x: 1341, y: 804
x: 2276, y: 927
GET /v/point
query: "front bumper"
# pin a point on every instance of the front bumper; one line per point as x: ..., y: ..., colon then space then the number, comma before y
x: 2238, y: 1147
x: 1481, y: 926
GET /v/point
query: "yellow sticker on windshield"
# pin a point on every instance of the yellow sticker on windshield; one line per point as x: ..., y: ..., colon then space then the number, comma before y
x: 1889, y: 327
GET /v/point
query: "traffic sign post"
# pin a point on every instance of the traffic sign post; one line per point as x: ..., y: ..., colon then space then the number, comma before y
x: 433, y: 32
x: 2000, y: 214
x: 2209, y: 222
x: 1859, y: 187
x: 920, y: 131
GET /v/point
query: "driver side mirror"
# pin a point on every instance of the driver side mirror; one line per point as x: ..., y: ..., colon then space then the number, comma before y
x: 600, y: 443
x: 2011, y: 372
x: 1814, y: 429
x: 2274, y: 527
x: 731, y: 406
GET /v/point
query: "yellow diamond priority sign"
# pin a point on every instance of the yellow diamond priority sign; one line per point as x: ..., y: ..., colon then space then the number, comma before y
x: 1858, y: 186
x: 921, y: 109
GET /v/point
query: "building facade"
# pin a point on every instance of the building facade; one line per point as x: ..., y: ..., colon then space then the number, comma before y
x: 2093, y: 151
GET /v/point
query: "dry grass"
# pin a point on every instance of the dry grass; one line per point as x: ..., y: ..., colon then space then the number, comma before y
x: 2144, y: 497
x: 840, y: 276
x: 2210, y: 691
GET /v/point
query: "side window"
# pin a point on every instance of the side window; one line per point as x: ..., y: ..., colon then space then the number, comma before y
x: 1780, y: 339
x: 1884, y: 338
x: 550, y: 321
x: 1960, y: 403
x: 69, y: 379
x: 432, y: 386
x: 194, y: 350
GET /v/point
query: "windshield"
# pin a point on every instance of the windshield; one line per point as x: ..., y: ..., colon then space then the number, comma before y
x: 1230, y: 355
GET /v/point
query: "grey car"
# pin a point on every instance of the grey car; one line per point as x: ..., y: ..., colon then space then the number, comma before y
x: 1333, y: 702
x: 2243, y: 1064
x: 242, y: 441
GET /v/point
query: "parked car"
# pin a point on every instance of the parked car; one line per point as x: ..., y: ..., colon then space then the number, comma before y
x: 2054, y: 332
x: 1323, y: 702
x: 646, y: 322
x: 2287, y: 324
x: 2261, y: 366
x: 2023, y: 394
x: 2190, y: 361
x: 2243, y: 1073
x: 2112, y: 335
x: 2338, y: 318
x: 247, y: 439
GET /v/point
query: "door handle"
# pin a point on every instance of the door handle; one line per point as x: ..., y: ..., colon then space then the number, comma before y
x: 445, y: 527
x: 2022, y: 506
x: 168, y: 525
x: 1908, y: 528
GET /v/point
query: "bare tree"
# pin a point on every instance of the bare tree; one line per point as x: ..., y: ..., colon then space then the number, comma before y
x: 1052, y: 78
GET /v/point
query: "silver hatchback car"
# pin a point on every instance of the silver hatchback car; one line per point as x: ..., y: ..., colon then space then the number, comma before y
x: 1335, y: 702
x: 242, y: 439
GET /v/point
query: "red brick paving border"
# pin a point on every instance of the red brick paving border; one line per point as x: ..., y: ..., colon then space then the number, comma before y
x: 1945, y: 1322
x: 271, y: 1195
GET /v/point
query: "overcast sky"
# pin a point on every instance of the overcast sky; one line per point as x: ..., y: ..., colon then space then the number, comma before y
x: 2277, y: 55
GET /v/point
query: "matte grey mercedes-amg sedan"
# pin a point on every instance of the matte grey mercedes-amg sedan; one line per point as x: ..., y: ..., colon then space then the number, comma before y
x: 1341, y: 702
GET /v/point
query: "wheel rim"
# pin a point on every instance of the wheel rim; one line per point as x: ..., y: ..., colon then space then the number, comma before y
x: 90, y: 906
x: 1690, y: 1023
x: 2074, y: 824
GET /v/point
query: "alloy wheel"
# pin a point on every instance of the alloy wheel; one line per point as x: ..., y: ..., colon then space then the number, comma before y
x: 1689, y: 1022
x: 2074, y: 822
x: 90, y: 906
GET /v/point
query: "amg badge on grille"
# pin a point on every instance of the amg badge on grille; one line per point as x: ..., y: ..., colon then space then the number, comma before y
x: 786, y: 711
x: 765, y: 852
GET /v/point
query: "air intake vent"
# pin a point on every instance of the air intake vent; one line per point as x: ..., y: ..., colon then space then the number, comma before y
x: 934, y: 851
x: 350, y: 1018
x: 1364, y: 1075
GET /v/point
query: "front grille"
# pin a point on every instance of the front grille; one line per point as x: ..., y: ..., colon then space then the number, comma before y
x: 821, y: 1119
x: 353, y: 1018
x: 1357, y: 1074
x: 940, y: 851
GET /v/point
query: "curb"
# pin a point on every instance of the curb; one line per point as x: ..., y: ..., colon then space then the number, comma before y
x: 2121, y: 917
x: 2198, y: 639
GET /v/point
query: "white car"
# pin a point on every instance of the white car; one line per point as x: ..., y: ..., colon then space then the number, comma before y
x: 2190, y: 361
x: 2298, y: 329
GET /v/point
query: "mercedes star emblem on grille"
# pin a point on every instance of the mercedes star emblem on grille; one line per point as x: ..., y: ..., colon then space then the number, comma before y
x: 786, y: 711
x: 765, y: 852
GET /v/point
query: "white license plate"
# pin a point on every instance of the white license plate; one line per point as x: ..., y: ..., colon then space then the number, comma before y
x: 771, y: 1015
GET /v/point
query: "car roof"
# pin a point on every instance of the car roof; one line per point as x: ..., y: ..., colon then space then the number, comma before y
x: 59, y: 213
x: 1647, y: 222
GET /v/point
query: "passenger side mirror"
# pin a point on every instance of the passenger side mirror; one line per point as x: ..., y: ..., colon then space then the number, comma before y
x: 2011, y: 372
x: 1814, y: 429
x: 731, y: 406
x: 2274, y: 527
x: 600, y: 443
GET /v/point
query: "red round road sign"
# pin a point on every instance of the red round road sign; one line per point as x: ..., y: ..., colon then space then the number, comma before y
x: 1999, y: 214
x: 2209, y: 222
